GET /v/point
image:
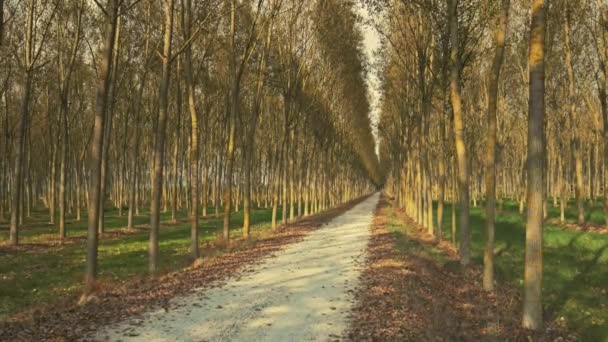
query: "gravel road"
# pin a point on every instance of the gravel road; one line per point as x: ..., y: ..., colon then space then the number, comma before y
x: 303, y: 293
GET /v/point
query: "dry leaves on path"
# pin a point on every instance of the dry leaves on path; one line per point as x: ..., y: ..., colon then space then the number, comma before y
x: 409, y: 295
x: 115, y: 302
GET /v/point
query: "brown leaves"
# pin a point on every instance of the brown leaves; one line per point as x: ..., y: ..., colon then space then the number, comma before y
x: 123, y: 300
x: 118, y: 301
x: 587, y: 227
x: 412, y: 296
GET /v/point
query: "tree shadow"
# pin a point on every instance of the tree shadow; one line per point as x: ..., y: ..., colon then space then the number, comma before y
x: 579, y: 289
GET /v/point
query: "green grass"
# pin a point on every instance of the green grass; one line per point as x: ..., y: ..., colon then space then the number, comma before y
x: 40, y: 276
x: 575, y: 283
x: 38, y: 229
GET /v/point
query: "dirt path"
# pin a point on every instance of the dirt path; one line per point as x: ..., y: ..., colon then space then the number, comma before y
x: 305, y: 292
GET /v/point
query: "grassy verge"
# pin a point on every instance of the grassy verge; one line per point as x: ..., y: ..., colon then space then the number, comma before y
x: 575, y: 266
x: 44, y: 271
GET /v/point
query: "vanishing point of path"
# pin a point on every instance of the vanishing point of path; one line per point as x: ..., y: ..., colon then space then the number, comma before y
x: 305, y: 292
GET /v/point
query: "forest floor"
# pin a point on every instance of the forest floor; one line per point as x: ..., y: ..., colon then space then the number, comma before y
x: 127, y: 292
x: 44, y: 269
x: 575, y: 272
x: 411, y: 287
x: 303, y: 292
x: 424, y: 294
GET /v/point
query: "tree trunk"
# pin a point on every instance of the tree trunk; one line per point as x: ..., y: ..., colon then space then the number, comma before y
x: 174, y: 194
x: 532, y: 313
x: 488, y: 260
x: 277, y: 183
x: 52, y: 180
x: 22, y: 124
x: 159, y: 146
x: 135, y: 147
x: 194, y: 149
x: 578, y: 153
x: 19, y: 154
x: 205, y: 163
x: 257, y: 108
x: 461, y: 152
x: 291, y: 176
x: 1, y: 22
x: 63, y: 164
x: 65, y: 76
x: 234, y: 103
x: 97, y: 145
x: 105, y: 160
x: 604, y: 99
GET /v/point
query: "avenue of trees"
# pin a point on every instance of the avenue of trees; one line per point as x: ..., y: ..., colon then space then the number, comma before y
x: 213, y: 106
x: 495, y: 101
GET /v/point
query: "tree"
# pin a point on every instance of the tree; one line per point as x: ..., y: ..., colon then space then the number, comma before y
x: 194, y: 130
x: 28, y: 66
x: 236, y: 70
x: 297, y: 115
x: 138, y: 113
x: 253, y: 123
x: 578, y: 152
x: 65, y: 76
x: 461, y: 151
x: 234, y: 103
x: 105, y: 59
x: 532, y: 312
x: 107, y: 133
x: 500, y: 37
x: 1, y: 22
x: 161, y: 131
x: 603, y: 87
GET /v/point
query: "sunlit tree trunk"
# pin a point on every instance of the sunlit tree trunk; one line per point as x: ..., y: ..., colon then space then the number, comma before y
x: 194, y: 130
x: 442, y: 177
x: 250, y: 140
x: 159, y: 146
x: 532, y: 313
x: 234, y: 103
x: 461, y: 153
